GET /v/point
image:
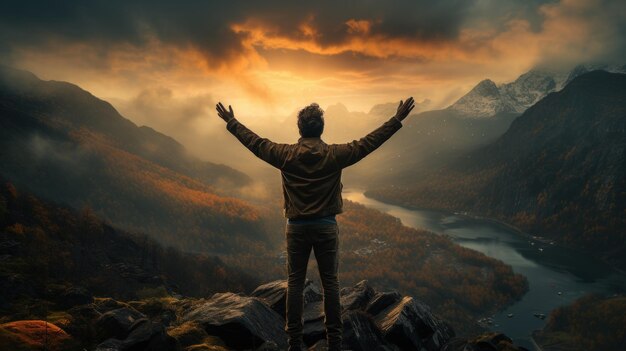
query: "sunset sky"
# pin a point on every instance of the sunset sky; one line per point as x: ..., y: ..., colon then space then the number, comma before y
x: 166, y: 64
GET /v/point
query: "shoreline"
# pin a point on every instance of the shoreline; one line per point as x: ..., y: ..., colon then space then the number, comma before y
x: 504, y: 224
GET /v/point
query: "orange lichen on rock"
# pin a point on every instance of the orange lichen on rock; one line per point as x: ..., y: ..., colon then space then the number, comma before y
x: 35, y: 334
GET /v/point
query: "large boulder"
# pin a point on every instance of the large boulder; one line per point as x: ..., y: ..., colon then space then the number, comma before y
x: 242, y: 322
x: 150, y: 336
x: 187, y: 334
x: 158, y: 310
x: 381, y: 301
x: 274, y: 294
x: 356, y: 297
x: 106, y: 304
x: 33, y: 335
x: 360, y: 333
x: 117, y: 323
x: 192, y: 337
x: 410, y: 325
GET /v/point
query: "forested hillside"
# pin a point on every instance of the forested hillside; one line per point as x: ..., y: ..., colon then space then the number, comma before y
x: 64, y: 144
x: 52, y: 255
x: 593, y: 322
x: 559, y: 171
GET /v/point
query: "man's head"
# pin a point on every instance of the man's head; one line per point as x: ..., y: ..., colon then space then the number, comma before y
x: 311, y: 121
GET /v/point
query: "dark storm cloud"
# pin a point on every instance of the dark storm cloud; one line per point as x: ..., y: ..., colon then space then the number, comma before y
x: 199, y: 24
x: 206, y: 25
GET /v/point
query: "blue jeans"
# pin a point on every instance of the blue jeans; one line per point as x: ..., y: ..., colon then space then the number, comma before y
x: 323, y: 239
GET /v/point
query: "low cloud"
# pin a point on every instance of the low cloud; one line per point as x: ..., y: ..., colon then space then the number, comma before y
x: 159, y: 108
x: 69, y: 157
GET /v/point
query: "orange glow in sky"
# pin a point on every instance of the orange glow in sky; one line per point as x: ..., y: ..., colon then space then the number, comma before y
x: 167, y: 67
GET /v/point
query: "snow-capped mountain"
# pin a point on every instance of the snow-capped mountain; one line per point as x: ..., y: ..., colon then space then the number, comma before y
x: 487, y: 99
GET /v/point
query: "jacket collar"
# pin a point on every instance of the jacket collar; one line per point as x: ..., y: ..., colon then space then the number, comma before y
x: 302, y: 139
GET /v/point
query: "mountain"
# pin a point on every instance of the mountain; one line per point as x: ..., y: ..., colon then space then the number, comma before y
x: 67, y: 107
x: 427, y: 140
x: 488, y: 99
x: 66, y: 145
x: 389, y: 109
x: 560, y: 170
x: 432, y: 138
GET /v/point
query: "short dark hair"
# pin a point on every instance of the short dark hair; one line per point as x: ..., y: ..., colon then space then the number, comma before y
x: 311, y: 121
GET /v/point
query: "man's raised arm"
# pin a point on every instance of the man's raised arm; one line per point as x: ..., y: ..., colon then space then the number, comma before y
x: 263, y: 148
x: 350, y: 153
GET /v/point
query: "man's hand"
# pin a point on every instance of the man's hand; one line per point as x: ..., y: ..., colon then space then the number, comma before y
x: 405, y: 108
x: 225, y: 115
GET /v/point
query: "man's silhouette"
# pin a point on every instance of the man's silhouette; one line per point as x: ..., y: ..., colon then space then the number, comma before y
x: 311, y: 178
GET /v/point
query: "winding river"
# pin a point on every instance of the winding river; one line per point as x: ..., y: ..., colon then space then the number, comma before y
x: 557, y: 275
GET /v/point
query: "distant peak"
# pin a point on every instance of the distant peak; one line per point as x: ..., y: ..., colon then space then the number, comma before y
x: 486, y: 88
x: 486, y: 83
x: 481, y: 101
x: 13, y: 74
x: 337, y: 108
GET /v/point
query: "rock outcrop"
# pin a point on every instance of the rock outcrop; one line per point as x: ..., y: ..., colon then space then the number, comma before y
x: 274, y: 294
x: 372, y: 321
x: 242, y: 322
x: 117, y: 323
x: 410, y: 325
x: 360, y: 332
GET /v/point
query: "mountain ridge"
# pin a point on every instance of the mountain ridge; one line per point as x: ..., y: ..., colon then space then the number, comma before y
x: 559, y: 169
x: 486, y: 98
x: 104, y: 118
x: 64, y: 144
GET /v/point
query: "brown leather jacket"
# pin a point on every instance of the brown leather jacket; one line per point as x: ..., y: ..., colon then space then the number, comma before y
x: 311, y: 169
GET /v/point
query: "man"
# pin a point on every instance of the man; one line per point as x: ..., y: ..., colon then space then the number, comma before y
x: 311, y: 178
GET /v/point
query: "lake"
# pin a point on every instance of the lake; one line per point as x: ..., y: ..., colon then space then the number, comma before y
x: 556, y: 275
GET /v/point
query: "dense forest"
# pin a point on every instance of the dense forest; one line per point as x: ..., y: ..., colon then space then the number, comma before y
x: 51, y: 254
x: 559, y: 171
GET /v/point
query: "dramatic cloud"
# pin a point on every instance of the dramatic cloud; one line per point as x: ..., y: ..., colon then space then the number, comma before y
x: 208, y: 26
x: 165, y: 64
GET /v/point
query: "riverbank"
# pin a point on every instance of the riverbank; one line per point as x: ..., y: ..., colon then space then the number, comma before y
x: 509, y: 226
x: 557, y: 275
